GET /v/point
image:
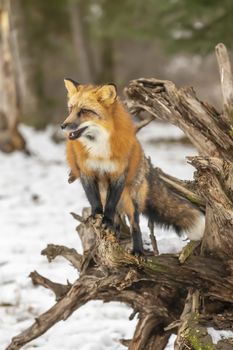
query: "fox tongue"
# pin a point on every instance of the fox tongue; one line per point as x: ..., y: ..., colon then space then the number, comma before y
x: 77, y: 133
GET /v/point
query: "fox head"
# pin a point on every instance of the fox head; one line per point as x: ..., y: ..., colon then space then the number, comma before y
x: 90, y: 110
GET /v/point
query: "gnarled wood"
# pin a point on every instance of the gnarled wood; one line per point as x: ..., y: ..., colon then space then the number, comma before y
x: 201, y: 123
x: 211, y: 133
x: 59, y: 289
x: 150, y: 286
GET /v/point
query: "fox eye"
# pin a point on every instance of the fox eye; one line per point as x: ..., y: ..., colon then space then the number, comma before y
x: 84, y: 111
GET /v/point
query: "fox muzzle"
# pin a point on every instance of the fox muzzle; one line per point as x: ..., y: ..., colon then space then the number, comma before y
x: 69, y: 126
x: 77, y: 133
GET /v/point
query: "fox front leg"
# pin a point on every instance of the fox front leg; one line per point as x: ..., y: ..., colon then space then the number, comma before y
x: 115, y: 190
x: 91, y: 189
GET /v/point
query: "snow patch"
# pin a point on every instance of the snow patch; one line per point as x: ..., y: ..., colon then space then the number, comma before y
x: 196, y: 232
x: 219, y: 335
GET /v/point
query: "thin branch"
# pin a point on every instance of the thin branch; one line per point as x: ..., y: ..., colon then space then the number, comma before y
x: 70, y: 254
x: 181, y: 188
x: 125, y: 342
x: 77, y: 217
x: 58, y: 289
x: 144, y: 123
x: 188, y: 250
x: 151, y: 227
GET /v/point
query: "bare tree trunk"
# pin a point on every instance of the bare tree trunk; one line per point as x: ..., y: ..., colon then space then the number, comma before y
x: 88, y: 72
x: 23, y: 61
x: 81, y: 41
x: 10, y: 137
x: 107, y: 64
x: 106, y: 71
x: 169, y: 297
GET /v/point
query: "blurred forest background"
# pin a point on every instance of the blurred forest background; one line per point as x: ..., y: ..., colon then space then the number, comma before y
x: 109, y: 41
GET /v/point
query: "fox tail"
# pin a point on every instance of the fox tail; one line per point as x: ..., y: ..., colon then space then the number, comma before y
x: 168, y: 209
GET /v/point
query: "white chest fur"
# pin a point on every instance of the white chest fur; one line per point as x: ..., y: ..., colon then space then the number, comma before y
x: 99, y: 150
x: 101, y: 165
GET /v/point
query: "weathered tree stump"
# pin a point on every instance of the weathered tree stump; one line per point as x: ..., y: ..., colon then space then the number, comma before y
x: 169, y: 297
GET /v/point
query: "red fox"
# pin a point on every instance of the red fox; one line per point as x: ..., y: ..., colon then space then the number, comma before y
x: 104, y: 152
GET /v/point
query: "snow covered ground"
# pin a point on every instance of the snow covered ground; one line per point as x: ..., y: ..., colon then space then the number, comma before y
x: 35, y: 201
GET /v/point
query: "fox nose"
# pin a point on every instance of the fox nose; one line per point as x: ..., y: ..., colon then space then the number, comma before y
x: 63, y: 126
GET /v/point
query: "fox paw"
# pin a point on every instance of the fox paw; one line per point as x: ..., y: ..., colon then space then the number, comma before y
x: 137, y: 249
x: 94, y: 218
x: 137, y: 252
x: 108, y: 224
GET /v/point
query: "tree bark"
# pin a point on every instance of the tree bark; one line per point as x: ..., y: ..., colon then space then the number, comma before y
x: 81, y: 41
x: 10, y: 137
x: 169, y: 297
x: 28, y: 101
x: 107, y: 63
x: 91, y: 70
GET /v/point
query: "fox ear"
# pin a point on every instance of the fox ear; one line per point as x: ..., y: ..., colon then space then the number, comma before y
x: 107, y: 93
x: 71, y: 86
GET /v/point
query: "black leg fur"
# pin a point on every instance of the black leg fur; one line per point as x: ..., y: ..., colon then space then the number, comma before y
x: 136, y: 233
x: 91, y: 189
x: 114, y: 193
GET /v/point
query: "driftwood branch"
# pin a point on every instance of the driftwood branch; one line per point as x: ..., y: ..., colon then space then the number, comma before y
x: 200, y: 122
x: 59, y: 289
x: 60, y: 311
x: 184, y: 188
x: 120, y: 276
x: 70, y: 254
x: 144, y: 123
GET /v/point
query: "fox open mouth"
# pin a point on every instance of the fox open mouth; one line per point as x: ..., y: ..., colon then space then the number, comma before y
x: 73, y: 135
